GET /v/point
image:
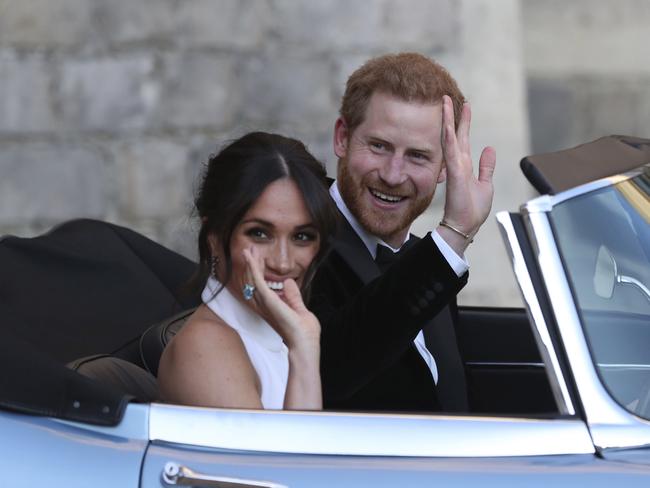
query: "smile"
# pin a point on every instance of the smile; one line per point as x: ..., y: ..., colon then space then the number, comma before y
x: 275, y: 285
x: 384, y: 197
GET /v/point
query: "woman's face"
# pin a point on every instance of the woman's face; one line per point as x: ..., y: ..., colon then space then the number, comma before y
x: 279, y: 228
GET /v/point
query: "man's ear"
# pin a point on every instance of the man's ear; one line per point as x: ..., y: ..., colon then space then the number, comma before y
x: 442, y: 176
x: 340, y: 138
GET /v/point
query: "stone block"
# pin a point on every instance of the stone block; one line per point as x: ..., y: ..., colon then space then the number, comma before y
x: 565, y: 112
x: 109, y: 94
x: 42, y: 23
x: 551, y: 112
x: 227, y: 24
x: 134, y: 21
x: 25, y: 102
x: 153, y: 180
x: 50, y: 182
x: 374, y: 24
x: 288, y: 90
x: 586, y: 36
x: 197, y: 90
x: 605, y: 106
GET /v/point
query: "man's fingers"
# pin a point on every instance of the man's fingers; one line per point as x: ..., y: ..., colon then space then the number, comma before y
x: 462, y: 133
x: 487, y: 164
x: 449, y: 142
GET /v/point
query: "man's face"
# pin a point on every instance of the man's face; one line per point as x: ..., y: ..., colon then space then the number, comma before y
x: 390, y: 164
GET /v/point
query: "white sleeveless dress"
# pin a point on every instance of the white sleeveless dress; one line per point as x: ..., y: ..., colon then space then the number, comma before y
x: 266, y: 351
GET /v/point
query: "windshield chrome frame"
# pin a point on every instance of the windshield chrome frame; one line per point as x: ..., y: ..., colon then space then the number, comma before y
x: 536, y: 317
x: 366, y: 434
x: 611, y: 425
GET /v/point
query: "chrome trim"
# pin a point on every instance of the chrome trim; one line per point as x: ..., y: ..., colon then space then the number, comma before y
x: 330, y: 433
x: 545, y: 203
x: 504, y: 364
x: 624, y: 366
x: 536, y: 317
x: 176, y: 475
x: 629, y: 280
x: 611, y: 426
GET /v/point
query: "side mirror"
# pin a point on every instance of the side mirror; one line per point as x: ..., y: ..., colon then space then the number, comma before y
x: 605, y: 273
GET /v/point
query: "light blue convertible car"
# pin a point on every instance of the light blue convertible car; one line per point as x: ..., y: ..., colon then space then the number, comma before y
x: 560, y: 392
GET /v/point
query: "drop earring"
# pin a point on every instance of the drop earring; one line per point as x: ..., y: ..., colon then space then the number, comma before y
x: 214, y: 261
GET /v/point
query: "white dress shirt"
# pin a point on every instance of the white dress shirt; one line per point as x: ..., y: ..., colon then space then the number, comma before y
x: 457, y: 263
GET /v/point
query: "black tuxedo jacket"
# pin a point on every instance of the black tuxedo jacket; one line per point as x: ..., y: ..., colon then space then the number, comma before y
x: 369, y: 321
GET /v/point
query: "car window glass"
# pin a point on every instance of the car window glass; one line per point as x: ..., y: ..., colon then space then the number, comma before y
x: 604, y: 239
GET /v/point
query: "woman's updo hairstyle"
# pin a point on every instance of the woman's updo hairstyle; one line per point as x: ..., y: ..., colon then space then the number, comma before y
x: 236, y: 177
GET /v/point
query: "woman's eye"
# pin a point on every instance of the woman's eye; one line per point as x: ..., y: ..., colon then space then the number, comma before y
x: 257, y: 233
x: 305, y: 236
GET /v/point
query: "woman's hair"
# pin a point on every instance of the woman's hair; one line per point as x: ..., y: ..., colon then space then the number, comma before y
x: 236, y: 177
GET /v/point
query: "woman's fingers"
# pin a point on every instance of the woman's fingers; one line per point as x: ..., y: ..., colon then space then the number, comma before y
x: 255, y: 275
x: 293, y: 296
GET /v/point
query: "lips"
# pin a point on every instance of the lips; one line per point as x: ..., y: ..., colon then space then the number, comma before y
x: 386, y: 197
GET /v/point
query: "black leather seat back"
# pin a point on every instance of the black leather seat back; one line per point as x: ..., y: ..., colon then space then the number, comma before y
x: 154, y: 340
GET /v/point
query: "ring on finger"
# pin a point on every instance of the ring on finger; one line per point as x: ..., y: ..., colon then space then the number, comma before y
x: 248, y: 291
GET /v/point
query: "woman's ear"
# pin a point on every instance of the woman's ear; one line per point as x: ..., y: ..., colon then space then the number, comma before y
x: 215, y: 248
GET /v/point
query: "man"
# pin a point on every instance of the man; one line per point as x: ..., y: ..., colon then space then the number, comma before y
x: 388, y: 341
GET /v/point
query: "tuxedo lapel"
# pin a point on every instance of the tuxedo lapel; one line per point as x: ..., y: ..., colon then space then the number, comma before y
x: 354, y: 252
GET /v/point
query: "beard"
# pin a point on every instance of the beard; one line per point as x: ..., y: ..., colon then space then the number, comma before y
x: 386, y: 225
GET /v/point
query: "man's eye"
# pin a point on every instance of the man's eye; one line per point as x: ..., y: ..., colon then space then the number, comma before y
x: 417, y: 156
x: 378, y: 146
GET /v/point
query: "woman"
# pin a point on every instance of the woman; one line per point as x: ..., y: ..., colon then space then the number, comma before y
x: 265, y: 214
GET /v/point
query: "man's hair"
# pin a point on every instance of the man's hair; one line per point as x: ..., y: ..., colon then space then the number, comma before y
x: 411, y: 77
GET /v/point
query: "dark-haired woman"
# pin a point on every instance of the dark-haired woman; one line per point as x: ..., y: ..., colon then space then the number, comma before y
x: 265, y: 215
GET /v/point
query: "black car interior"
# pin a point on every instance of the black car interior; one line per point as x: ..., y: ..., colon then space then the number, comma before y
x: 105, y: 301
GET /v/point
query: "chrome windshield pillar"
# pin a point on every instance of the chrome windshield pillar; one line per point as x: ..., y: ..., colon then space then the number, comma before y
x: 610, y: 425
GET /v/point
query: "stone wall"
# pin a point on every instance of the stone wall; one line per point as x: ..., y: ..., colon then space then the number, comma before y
x: 109, y: 108
x: 588, y: 69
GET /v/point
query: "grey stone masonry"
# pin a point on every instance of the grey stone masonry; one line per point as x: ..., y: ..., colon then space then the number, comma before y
x: 110, y: 108
x: 588, y: 66
x: 51, y: 182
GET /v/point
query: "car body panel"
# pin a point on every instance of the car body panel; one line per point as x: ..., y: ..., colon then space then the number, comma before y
x: 295, y: 470
x: 39, y: 451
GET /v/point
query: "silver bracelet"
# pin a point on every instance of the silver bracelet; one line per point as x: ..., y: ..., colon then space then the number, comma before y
x: 457, y: 231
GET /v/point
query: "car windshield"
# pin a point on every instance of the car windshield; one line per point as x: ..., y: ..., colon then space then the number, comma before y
x: 604, y: 239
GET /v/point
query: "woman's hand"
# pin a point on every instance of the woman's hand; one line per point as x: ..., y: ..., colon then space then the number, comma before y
x: 300, y: 331
x: 289, y: 316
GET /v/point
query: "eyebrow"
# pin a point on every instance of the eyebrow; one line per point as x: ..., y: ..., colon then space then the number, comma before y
x: 269, y: 224
x: 414, y: 149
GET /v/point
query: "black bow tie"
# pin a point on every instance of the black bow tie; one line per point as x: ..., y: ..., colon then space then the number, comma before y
x: 385, y: 255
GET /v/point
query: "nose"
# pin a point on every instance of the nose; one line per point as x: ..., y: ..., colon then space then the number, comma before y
x: 280, y: 259
x: 392, y: 171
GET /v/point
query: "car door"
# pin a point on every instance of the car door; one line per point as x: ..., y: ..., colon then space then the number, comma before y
x: 201, y: 446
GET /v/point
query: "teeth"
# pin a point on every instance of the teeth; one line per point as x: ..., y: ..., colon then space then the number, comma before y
x: 385, y: 197
x: 275, y: 285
